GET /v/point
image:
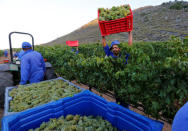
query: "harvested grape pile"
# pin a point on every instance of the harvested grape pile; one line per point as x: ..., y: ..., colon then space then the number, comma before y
x: 25, y: 97
x: 114, y: 13
x: 77, y: 123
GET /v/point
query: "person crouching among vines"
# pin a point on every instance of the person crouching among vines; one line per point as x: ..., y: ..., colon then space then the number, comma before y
x: 115, y: 52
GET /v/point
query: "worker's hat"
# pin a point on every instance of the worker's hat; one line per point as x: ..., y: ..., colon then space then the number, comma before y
x: 26, y: 45
x: 115, y: 42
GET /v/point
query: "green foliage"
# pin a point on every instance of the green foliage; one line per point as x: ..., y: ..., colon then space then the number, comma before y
x: 17, y: 49
x: 1, y: 53
x: 156, y: 76
x: 185, y: 40
x: 175, y: 39
x: 178, y: 6
x: 114, y: 13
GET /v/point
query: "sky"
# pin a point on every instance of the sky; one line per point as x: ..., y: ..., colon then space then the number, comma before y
x: 48, y: 20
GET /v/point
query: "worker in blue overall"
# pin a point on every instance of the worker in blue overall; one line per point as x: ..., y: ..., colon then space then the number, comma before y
x: 6, y: 53
x: 180, y: 122
x: 32, y: 65
x: 115, y: 52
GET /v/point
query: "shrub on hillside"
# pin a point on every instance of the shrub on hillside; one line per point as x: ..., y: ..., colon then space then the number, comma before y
x: 179, y: 6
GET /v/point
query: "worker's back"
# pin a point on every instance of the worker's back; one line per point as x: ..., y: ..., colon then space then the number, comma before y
x: 32, y: 67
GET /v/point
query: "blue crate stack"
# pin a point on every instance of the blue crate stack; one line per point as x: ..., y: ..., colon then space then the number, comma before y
x: 84, y: 103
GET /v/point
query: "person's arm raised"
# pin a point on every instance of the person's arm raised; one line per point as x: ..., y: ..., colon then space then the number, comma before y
x: 103, y: 41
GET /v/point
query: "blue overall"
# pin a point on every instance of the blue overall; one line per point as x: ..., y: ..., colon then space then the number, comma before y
x: 32, y: 67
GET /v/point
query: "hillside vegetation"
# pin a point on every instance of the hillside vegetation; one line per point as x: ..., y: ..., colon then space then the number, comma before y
x: 151, y: 23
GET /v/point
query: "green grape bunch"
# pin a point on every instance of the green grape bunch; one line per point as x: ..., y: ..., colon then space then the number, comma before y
x: 76, y: 123
x: 114, y: 13
x: 28, y: 96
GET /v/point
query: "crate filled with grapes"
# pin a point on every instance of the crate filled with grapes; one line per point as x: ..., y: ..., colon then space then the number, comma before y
x: 115, y: 20
x: 24, y: 97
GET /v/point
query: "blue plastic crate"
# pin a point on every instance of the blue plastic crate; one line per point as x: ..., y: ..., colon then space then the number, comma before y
x: 84, y: 103
x: 8, y: 98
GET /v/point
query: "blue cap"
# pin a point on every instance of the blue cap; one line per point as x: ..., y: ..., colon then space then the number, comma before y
x: 26, y: 45
x: 115, y: 42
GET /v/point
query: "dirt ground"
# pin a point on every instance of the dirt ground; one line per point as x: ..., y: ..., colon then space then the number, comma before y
x: 166, y: 127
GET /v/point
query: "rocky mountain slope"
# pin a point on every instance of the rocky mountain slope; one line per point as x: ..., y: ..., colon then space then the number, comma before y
x: 151, y: 23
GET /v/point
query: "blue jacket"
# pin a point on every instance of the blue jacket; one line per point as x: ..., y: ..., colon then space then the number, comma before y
x: 32, y: 67
x: 180, y: 122
x: 109, y: 53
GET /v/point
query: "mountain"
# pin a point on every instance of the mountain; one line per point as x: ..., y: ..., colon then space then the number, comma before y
x: 150, y: 23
